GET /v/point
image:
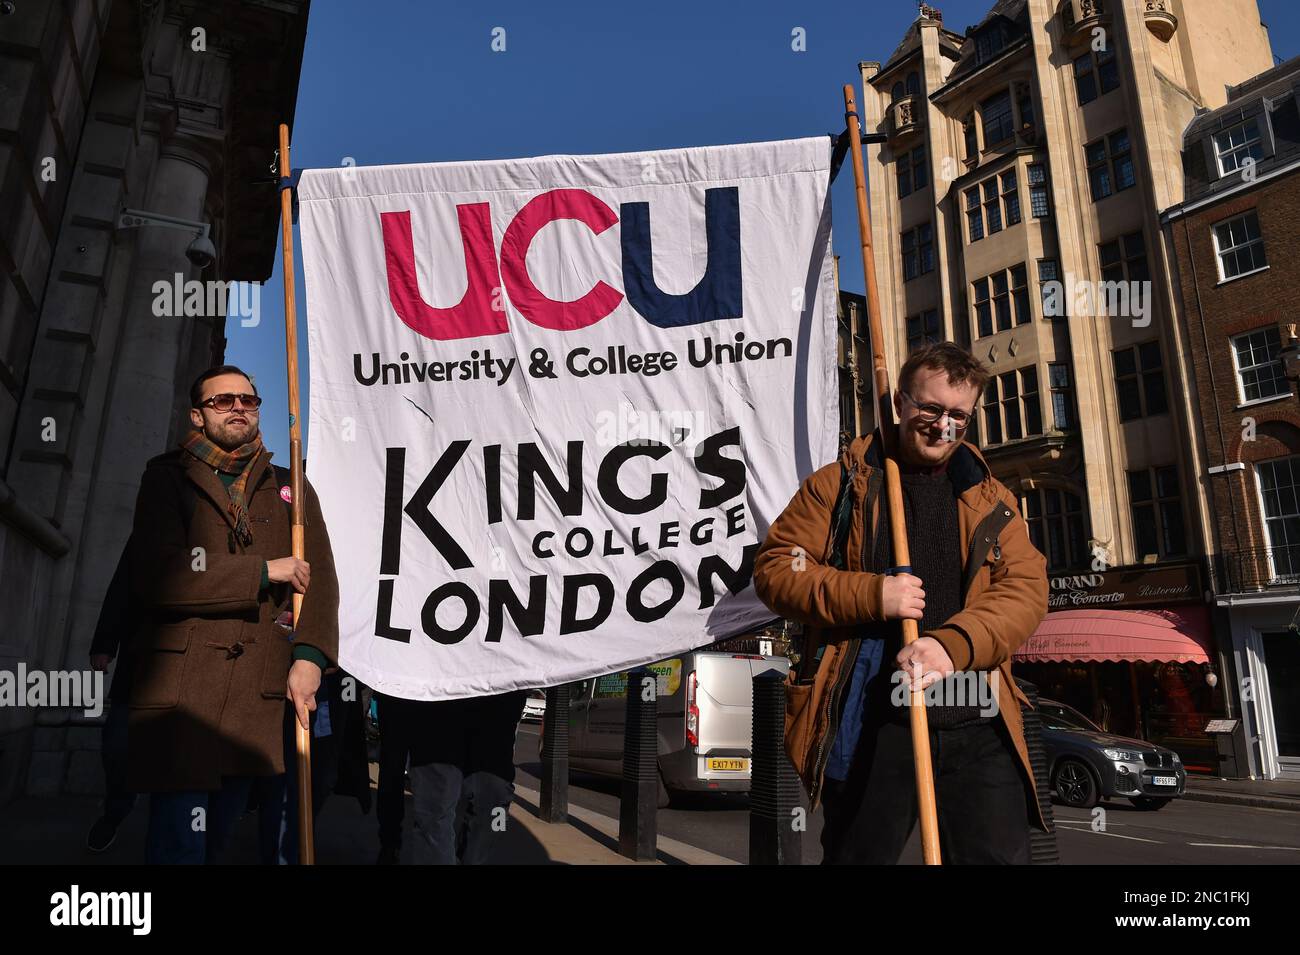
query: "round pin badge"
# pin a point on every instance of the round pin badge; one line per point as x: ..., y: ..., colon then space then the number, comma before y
x: 286, y: 494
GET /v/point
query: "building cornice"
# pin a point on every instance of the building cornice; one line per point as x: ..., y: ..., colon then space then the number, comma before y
x: 1185, y: 208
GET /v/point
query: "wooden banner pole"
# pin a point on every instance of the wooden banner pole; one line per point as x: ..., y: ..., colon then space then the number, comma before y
x: 306, y: 829
x: 893, y: 488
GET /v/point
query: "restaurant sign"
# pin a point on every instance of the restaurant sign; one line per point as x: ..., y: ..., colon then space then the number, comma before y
x: 1157, y: 585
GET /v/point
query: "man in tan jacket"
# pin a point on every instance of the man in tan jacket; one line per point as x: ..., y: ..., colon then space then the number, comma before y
x: 976, y: 586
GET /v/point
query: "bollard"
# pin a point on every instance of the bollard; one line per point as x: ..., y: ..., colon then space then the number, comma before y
x: 555, y: 756
x: 637, y: 830
x: 1042, y: 845
x: 774, y: 839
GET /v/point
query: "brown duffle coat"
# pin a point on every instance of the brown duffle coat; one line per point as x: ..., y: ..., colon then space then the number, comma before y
x: 210, y: 661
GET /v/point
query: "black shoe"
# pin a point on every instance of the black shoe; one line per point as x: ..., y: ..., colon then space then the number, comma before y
x: 388, y: 855
x: 101, y: 835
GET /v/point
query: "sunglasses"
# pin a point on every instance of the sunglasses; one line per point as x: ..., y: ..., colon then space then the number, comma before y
x: 930, y: 413
x: 224, y: 403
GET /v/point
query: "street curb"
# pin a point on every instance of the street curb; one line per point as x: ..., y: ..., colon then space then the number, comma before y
x: 1240, y: 799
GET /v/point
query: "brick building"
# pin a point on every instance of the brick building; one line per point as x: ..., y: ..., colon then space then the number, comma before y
x: 1235, y: 244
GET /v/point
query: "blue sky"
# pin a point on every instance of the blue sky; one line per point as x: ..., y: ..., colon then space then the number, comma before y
x: 399, y: 81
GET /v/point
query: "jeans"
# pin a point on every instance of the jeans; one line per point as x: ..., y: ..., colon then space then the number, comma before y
x: 194, y: 827
x: 395, y: 716
x: 118, y: 798
x: 462, y: 776
x: 979, y: 788
x: 277, y: 802
x: 173, y: 841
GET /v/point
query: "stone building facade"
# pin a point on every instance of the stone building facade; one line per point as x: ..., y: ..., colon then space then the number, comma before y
x: 169, y: 107
x: 1017, y: 155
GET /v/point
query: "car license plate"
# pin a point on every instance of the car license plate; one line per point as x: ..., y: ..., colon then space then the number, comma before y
x: 1164, y: 780
x: 719, y: 764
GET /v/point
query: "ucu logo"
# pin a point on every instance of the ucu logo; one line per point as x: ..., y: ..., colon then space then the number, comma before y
x: 716, y: 296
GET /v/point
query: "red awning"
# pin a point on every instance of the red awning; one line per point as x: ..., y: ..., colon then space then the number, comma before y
x: 1094, y: 636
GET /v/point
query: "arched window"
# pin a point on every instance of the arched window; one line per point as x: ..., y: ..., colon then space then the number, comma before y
x: 913, y: 82
x: 896, y: 93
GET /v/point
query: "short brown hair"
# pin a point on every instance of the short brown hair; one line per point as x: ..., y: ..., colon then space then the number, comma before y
x: 962, y: 367
x: 196, y: 389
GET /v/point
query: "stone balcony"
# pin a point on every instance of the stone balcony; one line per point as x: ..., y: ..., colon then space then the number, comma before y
x: 1081, y: 17
x: 906, y: 115
x: 1158, y: 15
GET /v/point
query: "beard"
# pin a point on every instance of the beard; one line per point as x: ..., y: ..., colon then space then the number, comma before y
x: 230, y: 437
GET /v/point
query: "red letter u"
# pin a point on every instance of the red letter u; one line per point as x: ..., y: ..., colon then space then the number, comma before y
x: 473, y: 315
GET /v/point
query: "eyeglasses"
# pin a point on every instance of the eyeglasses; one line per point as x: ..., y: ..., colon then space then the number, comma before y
x: 224, y: 403
x: 930, y: 413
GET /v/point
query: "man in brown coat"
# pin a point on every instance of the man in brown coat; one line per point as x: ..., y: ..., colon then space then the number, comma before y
x: 976, y: 586
x: 212, y: 665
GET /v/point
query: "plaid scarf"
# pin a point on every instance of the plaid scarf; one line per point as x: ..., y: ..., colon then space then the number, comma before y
x: 239, y: 461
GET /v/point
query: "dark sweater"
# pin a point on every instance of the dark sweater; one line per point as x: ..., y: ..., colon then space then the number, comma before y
x: 934, y: 545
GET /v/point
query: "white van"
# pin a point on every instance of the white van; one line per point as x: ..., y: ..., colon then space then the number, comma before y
x: 705, y: 721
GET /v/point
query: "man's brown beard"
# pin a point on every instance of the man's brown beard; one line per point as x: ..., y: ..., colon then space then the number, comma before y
x: 230, y: 444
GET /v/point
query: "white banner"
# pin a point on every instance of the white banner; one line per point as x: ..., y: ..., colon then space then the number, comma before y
x: 548, y: 447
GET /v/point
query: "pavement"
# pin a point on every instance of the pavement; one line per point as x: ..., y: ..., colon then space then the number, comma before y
x: 1260, y: 793
x: 591, y: 838
x: 1254, y: 822
x: 52, y: 831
